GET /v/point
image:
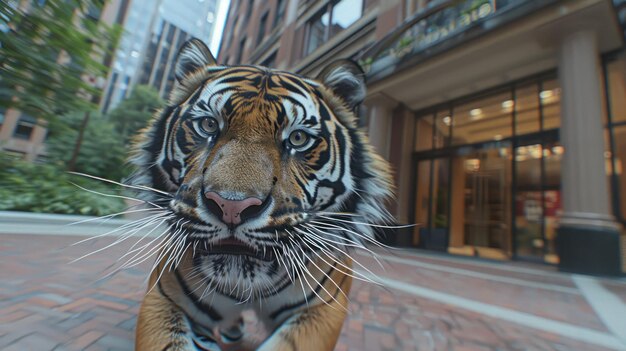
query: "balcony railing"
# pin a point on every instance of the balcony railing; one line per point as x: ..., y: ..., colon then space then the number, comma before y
x: 439, y: 22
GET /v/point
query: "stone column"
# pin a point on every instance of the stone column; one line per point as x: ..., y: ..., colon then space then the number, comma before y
x: 380, y: 112
x: 588, y: 235
x: 380, y: 109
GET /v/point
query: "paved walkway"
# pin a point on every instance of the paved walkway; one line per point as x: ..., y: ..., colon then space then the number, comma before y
x: 429, y: 302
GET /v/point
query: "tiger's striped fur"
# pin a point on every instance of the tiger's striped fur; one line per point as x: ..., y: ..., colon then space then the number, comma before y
x: 318, y: 200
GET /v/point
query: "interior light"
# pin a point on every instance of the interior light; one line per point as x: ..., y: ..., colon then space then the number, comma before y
x: 447, y: 120
x: 497, y: 137
x: 535, y: 152
x: 558, y: 150
x: 546, y: 94
x: 507, y: 104
x: 475, y: 113
x: 472, y: 165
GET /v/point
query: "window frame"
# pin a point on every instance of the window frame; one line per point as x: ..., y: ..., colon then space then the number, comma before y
x: 249, y: 9
x: 262, y: 28
x: 279, y: 12
x: 24, y: 121
x: 240, y: 50
x: 270, y: 58
x: 610, y: 126
x: 327, y: 8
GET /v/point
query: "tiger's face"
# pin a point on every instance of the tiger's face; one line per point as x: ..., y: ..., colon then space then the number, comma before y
x: 259, y: 162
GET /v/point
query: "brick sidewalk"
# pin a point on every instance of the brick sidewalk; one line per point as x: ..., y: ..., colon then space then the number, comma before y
x: 48, y: 304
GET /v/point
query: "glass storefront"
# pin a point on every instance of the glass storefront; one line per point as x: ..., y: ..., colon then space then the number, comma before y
x: 615, y: 87
x: 487, y: 173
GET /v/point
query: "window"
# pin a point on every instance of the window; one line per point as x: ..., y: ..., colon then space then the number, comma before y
x: 262, y: 28
x: 317, y: 32
x: 242, y: 46
x: 331, y: 21
x: 280, y: 11
x: 481, y: 120
x: 615, y: 82
x: 24, y: 127
x: 2, y: 113
x: 270, y: 61
x: 229, y: 39
x: 619, y: 138
x: 424, y: 133
x: 527, y: 112
x: 107, y: 99
x: 344, y: 13
x: 249, y: 9
x: 94, y: 11
x: 550, y: 97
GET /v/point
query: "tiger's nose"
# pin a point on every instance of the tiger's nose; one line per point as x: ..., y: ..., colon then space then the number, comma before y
x: 233, y: 212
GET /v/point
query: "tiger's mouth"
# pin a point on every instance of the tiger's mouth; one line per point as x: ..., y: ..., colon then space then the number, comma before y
x: 236, y: 247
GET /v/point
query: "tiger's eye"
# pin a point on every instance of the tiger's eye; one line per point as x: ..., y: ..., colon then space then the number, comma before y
x: 209, y: 125
x: 298, y: 138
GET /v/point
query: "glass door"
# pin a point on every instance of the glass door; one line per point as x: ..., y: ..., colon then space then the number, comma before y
x: 432, y: 203
x: 529, y: 197
x: 440, y: 205
x: 422, y: 201
x: 537, y: 197
x: 481, y: 201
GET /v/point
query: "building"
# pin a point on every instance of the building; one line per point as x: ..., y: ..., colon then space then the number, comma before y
x: 23, y: 135
x: 154, y: 30
x: 505, y: 120
x: 127, y: 58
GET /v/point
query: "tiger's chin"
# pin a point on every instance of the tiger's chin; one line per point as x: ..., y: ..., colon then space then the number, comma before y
x: 239, y: 271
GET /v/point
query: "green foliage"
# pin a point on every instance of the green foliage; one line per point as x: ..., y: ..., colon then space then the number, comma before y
x: 102, y: 152
x: 48, y: 51
x: 26, y: 186
x: 106, y: 140
x: 133, y: 114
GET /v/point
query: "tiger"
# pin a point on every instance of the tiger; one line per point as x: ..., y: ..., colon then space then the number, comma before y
x: 270, y: 185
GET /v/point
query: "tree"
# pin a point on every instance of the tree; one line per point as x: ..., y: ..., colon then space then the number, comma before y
x: 50, y: 52
x: 133, y: 114
x: 105, y: 142
x: 102, y: 151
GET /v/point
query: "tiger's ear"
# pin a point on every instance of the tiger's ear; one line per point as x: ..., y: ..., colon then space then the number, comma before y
x: 193, y: 55
x: 346, y: 79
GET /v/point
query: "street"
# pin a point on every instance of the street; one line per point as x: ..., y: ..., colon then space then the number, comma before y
x: 429, y: 302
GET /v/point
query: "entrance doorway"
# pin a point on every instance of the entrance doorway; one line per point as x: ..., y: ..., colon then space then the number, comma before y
x: 491, y: 200
x: 487, y: 173
x: 432, y: 211
x: 537, y: 197
x: 481, y: 201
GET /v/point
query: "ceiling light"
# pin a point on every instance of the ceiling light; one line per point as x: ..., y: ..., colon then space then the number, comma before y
x: 475, y: 113
x: 558, y: 150
x: 507, y: 104
x: 546, y: 94
x: 447, y: 120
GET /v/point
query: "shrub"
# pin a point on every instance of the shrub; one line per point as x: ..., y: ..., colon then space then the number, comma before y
x: 46, y: 188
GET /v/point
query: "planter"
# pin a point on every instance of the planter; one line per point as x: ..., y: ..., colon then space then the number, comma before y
x: 434, y: 238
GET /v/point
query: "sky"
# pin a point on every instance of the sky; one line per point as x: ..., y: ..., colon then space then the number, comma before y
x: 219, y: 26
